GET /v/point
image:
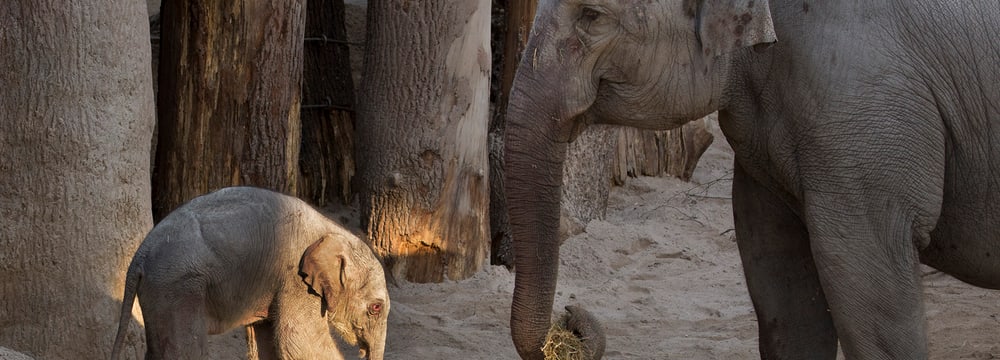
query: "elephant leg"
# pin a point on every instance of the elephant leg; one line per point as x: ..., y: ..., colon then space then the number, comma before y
x: 177, y: 329
x: 260, y: 341
x: 792, y: 314
x: 868, y: 265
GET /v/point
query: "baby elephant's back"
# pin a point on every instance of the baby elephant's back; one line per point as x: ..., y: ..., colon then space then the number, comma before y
x: 235, y: 243
x: 237, y: 230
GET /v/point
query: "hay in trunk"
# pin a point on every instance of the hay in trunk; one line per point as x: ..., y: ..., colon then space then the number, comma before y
x: 563, y: 344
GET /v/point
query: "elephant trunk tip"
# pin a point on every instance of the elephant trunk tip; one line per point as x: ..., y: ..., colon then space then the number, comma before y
x: 576, y: 335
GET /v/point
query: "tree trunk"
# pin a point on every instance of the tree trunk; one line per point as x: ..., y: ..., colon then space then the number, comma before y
x: 423, y: 113
x: 228, y: 102
x: 586, y: 179
x: 518, y: 16
x: 657, y: 153
x: 76, y: 117
x: 326, y: 160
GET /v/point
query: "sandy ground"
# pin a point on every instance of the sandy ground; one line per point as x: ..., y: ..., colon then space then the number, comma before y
x: 662, y: 274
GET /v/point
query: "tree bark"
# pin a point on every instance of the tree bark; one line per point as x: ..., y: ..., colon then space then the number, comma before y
x: 518, y: 16
x: 587, y: 179
x: 76, y: 118
x: 423, y: 114
x: 326, y: 159
x: 228, y: 101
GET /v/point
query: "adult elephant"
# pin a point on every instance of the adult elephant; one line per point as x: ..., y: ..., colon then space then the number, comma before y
x: 865, y: 139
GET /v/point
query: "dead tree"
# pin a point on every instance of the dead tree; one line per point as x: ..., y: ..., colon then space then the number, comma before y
x: 76, y: 117
x: 228, y: 99
x: 326, y: 158
x: 422, y: 121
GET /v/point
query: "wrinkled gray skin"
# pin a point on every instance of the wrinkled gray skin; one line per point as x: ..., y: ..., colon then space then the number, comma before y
x: 248, y: 256
x: 867, y: 139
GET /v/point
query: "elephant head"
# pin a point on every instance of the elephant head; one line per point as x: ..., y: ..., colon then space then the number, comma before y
x: 649, y: 64
x: 351, y: 282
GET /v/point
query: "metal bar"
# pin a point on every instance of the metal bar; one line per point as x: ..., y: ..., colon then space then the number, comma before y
x: 323, y: 38
x: 326, y: 106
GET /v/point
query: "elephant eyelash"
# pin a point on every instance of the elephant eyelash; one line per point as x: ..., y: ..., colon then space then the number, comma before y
x: 594, y: 21
x: 589, y: 14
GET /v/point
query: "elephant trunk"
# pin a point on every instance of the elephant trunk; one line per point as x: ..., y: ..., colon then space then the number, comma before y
x: 373, y: 345
x: 376, y: 353
x: 552, y: 88
x: 534, y: 170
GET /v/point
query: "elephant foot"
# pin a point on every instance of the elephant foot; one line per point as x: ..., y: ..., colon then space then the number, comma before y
x: 577, y: 335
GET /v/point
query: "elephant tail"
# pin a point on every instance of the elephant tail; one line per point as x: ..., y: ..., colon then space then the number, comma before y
x: 132, y: 279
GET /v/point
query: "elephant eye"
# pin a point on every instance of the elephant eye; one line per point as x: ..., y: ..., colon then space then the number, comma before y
x: 374, y: 309
x: 594, y: 21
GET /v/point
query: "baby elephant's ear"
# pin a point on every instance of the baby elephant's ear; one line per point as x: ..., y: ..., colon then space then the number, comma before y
x: 323, y: 268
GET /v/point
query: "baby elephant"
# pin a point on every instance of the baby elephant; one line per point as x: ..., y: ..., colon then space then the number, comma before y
x: 248, y: 256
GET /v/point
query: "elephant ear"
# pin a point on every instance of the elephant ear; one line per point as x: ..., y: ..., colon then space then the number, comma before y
x: 726, y: 25
x: 324, y: 268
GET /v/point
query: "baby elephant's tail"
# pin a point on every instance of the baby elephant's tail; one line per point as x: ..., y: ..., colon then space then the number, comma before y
x: 132, y: 279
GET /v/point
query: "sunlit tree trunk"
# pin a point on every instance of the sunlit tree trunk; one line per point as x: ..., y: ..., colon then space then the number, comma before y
x: 228, y: 100
x: 422, y: 122
x: 326, y: 160
x: 76, y: 117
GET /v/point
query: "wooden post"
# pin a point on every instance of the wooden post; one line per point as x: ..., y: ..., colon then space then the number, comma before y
x: 228, y: 101
x: 76, y: 117
x: 326, y: 159
x: 422, y: 119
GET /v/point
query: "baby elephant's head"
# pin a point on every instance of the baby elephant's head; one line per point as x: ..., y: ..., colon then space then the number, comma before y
x: 346, y: 274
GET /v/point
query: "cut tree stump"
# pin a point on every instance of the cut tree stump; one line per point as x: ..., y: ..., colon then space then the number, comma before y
x: 660, y: 153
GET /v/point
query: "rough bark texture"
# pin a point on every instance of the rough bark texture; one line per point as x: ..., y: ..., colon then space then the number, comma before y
x: 586, y: 179
x: 516, y: 25
x: 326, y: 159
x: 76, y: 117
x: 422, y: 120
x: 657, y: 153
x: 228, y: 100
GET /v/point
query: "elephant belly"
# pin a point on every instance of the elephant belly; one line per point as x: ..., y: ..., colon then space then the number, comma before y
x: 236, y: 307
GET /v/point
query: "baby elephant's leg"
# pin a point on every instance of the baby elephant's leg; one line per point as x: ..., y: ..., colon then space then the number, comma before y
x: 176, y: 327
x: 260, y: 341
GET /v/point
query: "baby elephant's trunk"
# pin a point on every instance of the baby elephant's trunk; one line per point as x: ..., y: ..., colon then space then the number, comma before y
x: 373, y: 347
